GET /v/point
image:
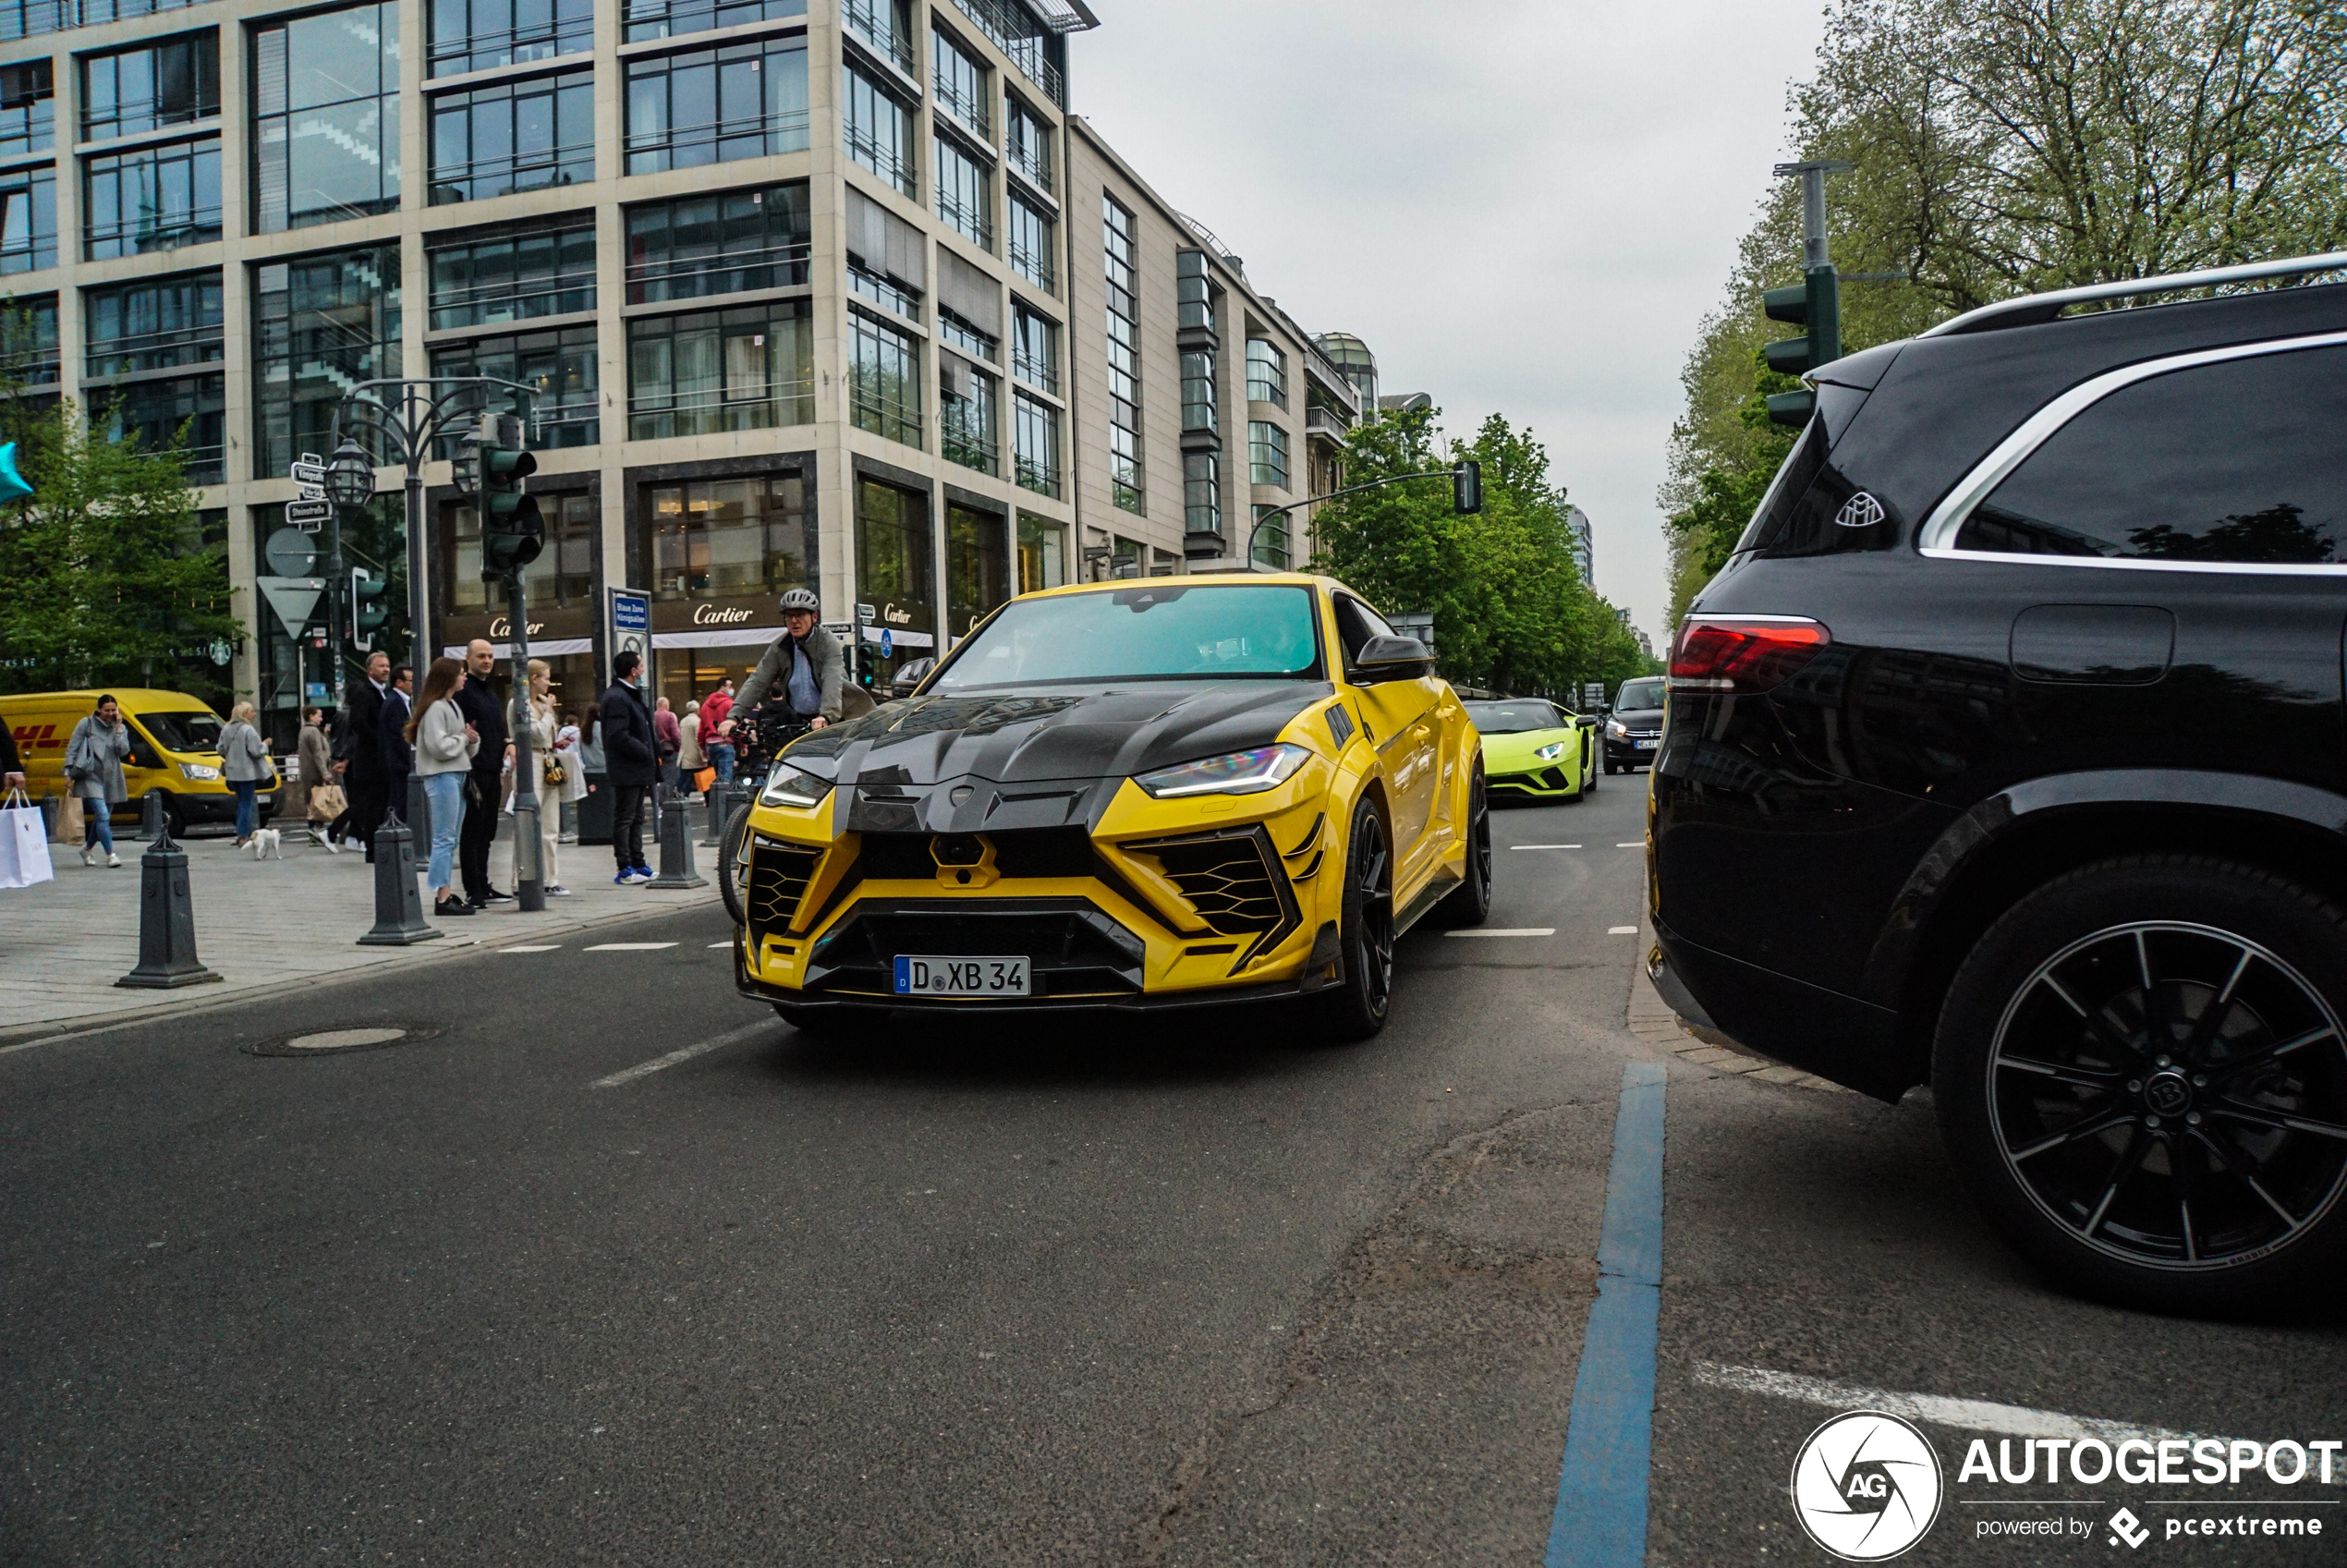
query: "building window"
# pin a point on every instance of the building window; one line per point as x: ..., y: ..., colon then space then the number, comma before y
x: 1028, y: 144
x: 885, y: 291
x: 478, y: 35
x: 715, y: 105
x: 29, y: 18
x: 1266, y: 372
x: 1202, y: 491
x: 1037, y: 446
x: 1193, y: 291
x: 1016, y: 33
x: 516, y: 135
x: 559, y: 363
x: 97, y: 13
x: 28, y: 107
x: 1200, y: 409
x: 955, y: 330
x: 883, y: 379
x: 886, y: 25
x: 1271, y: 538
x: 31, y: 352
x: 1034, y: 350
x: 1031, y: 244
x: 513, y: 272
x: 725, y: 242
x: 320, y: 325
x: 880, y: 131
x: 562, y: 577
x: 969, y: 409
x: 156, y: 324
x: 155, y: 199
x: 27, y: 220
x: 1267, y: 453
x: 960, y: 81
x: 1042, y: 553
x: 1124, y: 356
x: 965, y: 193
x: 751, y: 367
x: 150, y: 413
x: 667, y: 18
x: 978, y: 566
x: 326, y: 117
x: 174, y: 82
x: 728, y: 538
x: 894, y: 571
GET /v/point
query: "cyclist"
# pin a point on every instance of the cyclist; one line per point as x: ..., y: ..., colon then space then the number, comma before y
x: 802, y: 669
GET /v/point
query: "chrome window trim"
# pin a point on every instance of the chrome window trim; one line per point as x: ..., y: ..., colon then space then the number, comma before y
x: 1937, y: 538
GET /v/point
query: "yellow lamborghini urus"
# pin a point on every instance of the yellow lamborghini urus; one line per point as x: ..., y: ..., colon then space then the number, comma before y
x: 1125, y: 795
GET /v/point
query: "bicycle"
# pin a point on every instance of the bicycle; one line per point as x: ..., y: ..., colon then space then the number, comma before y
x: 770, y: 734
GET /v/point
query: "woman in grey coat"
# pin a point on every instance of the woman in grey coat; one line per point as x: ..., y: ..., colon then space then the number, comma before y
x: 101, y: 745
x: 244, y: 762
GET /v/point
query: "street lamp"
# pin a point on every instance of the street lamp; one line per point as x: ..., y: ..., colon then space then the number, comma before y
x: 350, y: 476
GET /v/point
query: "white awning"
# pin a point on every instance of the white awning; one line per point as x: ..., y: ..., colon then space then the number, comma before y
x: 717, y: 637
x: 551, y: 648
x: 895, y: 638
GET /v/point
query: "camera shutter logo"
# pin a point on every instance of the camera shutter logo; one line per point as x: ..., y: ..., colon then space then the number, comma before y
x: 1867, y: 1486
x: 1861, y: 511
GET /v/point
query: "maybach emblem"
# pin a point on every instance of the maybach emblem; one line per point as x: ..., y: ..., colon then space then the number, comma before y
x: 1861, y: 511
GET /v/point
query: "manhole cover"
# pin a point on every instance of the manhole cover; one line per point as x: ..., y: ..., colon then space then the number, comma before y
x: 328, y: 1042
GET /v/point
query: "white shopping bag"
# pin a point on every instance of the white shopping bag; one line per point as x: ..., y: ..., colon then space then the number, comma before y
x: 24, y: 842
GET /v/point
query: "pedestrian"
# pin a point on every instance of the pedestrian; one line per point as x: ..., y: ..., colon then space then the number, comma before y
x: 547, y: 746
x: 358, y: 751
x: 484, y: 789
x: 715, y: 741
x: 574, y: 763
x: 94, y: 756
x: 313, y: 776
x: 11, y: 765
x: 244, y: 762
x: 446, y: 744
x: 631, y: 763
x: 668, y: 739
x: 398, y: 757
x: 689, y: 761
x: 590, y: 739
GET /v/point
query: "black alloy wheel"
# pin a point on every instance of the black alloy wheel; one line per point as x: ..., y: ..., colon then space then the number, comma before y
x: 2143, y: 1073
x: 1469, y: 903
x: 1356, y: 1007
x: 733, y: 865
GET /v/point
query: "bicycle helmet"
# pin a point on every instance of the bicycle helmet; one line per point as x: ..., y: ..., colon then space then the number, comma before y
x: 800, y: 599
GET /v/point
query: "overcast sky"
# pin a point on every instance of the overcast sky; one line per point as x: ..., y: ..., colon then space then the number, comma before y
x: 1521, y: 205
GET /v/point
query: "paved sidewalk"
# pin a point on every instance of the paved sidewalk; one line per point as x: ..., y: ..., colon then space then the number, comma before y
x: 64, y: 943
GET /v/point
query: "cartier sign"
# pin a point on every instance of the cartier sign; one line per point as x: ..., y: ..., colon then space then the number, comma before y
x: 500, y: 625
x: 721, y: 615
x: 895, y: 617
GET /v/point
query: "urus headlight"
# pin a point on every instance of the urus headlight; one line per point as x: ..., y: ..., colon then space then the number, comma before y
x: 1236, y: 772
x: 1553, y: 750
x: 1617, y: 729
x: 787, y: 786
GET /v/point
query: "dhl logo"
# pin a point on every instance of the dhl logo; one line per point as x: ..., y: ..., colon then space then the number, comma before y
x: 28, y: 739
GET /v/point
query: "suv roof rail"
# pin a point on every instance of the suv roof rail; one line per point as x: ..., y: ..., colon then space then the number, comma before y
x: 2031, y: 310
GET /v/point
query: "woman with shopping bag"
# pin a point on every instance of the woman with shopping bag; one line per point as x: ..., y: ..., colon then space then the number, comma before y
x: 101, y: 745
x: 24, y: 837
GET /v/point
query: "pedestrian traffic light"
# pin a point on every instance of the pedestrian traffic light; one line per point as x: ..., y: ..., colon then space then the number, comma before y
x: 512, y: 531
x: 366, y: 611
x: 1814, y: 303
x: 1466, y: 487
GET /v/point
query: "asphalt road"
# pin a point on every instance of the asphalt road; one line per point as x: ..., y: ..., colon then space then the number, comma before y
x: 1101, y: 1293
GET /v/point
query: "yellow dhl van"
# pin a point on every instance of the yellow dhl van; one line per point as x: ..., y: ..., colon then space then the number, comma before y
x: 174, y: 751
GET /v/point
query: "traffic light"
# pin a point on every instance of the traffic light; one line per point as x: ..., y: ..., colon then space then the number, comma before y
x: 512, y: 531
x: 1814, y: 303
x: 366, y: 613
x: 1466, y: 487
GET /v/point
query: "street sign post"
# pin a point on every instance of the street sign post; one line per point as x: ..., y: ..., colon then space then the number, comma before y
x: 630, y: 628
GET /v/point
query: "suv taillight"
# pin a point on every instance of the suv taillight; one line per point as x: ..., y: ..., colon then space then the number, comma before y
x: 1731, y: 655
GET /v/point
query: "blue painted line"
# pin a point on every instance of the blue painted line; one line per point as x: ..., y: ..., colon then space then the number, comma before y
x: 1601, y: 1519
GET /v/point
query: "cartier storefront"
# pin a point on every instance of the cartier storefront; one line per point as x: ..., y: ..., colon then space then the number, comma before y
x: 716, y: 545
x: 562, y: 587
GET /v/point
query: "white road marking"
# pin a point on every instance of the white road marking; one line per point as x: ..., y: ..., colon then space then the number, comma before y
x: 542, y: 947
x: 718, y: 944
x: 1622, y: 931
x: 629, y: 947
x: 732, y: 1037
x: 1544, y: 846
x: 1636, y: 843
x: 1509, y: 930
x: 1966, y: 1415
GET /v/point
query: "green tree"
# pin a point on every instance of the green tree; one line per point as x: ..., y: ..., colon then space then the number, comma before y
x: 105, y: 580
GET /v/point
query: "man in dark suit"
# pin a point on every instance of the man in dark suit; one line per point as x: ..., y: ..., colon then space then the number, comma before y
x: 358, y: 750
x: 484, y: 709
x: 631, y: 761
x: 398, y: 756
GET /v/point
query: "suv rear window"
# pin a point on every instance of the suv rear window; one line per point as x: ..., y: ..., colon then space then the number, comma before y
x: 1793, y: 479
x: 2239, y: 461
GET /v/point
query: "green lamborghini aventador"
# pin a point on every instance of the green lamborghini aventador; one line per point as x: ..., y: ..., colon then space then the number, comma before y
x: 1534, y: 749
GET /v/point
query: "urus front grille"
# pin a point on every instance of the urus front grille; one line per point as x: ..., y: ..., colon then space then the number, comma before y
x: 779, y: 874
x: 1233, y: 879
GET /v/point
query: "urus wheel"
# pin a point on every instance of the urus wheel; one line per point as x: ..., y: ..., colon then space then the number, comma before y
x: 1470, y: 903
x: 2142, y: 1073
x: 733, y: 865
x: 1355, y: 1008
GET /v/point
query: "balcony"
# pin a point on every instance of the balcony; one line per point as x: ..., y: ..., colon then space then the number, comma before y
x: 1326, y: 422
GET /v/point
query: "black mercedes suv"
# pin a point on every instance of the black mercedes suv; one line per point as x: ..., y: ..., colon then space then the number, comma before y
x: 2008, y: 755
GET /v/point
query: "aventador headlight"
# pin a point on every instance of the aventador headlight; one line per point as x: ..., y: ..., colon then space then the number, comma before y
x: 1239, y: 772
x: 1617, y: 729
x: 787, y: 786
x: 1553, y: 750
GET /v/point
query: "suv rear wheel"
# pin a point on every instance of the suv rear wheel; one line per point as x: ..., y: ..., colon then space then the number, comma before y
x: 2141, y: 1074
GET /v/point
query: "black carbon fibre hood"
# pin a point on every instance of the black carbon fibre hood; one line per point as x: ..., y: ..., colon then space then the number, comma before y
x: 1034, y: 760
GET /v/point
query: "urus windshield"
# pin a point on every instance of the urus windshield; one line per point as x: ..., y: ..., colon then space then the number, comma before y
x: 1164, y: 631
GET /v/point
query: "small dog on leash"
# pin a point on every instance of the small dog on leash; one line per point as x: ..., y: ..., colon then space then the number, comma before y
x: 267, y: 842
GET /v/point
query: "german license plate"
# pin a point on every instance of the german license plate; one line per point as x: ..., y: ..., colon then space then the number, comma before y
x: 1646, y: 746
x: 961, y: 976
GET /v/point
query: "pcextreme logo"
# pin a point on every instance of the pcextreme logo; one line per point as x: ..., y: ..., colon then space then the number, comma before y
x: 1867, y: 1486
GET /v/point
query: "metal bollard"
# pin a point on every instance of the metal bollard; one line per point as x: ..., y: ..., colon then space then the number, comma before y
x: 399, y: 909
x: 150, y: 815
x: 166, y: 922
x: 676, y: 847
x: 720, y: 798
